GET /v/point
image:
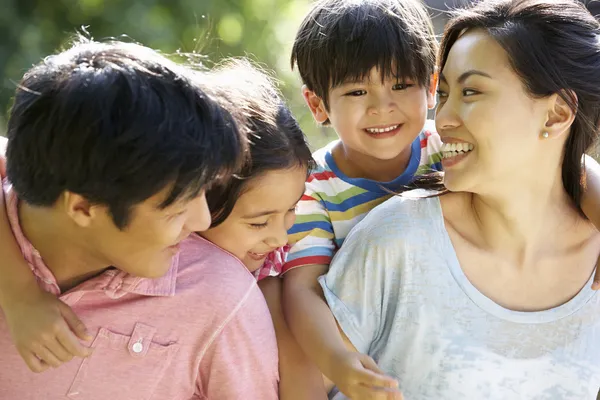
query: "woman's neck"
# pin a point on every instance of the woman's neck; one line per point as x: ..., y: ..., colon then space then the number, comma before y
x: 522, y: 221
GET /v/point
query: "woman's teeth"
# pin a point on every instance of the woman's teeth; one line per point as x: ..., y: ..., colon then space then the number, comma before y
x: 382, y: 130
x: 454, y: 149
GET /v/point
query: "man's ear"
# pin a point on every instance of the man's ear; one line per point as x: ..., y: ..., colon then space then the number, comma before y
x: 79, y: 209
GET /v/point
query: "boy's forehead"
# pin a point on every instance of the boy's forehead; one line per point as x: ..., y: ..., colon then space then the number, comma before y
x: 372, y: 76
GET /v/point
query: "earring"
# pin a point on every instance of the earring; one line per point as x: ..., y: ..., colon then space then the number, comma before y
x: 545, y: 135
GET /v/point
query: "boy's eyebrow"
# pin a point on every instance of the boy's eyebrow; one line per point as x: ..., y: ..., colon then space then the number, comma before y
x: 463, y: 77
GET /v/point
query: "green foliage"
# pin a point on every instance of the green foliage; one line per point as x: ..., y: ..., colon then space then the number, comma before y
x: 261, y: 29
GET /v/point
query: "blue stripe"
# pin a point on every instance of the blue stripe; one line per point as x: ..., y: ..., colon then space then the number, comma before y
x: 352, y: 202
x: 309, y: 226
x: 311, y: 252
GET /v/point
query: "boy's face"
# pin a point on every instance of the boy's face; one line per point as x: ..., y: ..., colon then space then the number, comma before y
x: 379, y: 120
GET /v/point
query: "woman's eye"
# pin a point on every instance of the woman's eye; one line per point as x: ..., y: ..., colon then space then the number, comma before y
x: 441, y: 94
x: 469, y: 92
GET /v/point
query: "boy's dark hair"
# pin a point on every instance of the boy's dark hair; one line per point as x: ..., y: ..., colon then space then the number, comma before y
x: 276, y: 141
x: 342, y: 40
x: 554, y: 47
x: 116, y: 123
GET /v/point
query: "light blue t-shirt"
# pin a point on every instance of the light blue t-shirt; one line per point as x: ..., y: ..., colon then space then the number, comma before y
x: 400, y: 295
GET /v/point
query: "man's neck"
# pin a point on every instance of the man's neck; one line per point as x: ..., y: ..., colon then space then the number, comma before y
x: 65, y: 252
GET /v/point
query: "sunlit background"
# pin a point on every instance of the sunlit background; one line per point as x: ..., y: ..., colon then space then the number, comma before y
x: 261, y: 29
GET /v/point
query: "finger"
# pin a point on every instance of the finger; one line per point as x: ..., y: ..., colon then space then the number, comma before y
x: 76, y: 325
x: 373, y: 376
x: 34, y: 363
x: 70, y: 342
x: 59, y: 351
x: 371, y: 393
x: 46, y: 356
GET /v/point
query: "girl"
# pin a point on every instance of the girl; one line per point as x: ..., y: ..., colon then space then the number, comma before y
x: 251, y: 213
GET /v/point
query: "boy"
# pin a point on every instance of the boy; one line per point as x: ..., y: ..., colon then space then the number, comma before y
x: 368, y: 70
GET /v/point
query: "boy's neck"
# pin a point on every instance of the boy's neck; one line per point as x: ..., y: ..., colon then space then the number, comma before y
x: 357, y: 165
x: 63, y: 251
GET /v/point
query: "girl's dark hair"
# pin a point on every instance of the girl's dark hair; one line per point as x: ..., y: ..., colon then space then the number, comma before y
x: 553, y: 45
x: 275, y: 139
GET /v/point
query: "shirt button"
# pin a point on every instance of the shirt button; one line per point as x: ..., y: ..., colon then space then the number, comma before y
x: 137, y: 347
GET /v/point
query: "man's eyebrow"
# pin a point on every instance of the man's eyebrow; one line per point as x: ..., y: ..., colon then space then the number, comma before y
x: 465, y: 75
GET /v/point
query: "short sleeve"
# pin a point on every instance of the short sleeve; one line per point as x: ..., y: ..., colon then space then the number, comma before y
x: 354, y: 286
x: 312, y: 236
x: 242, y: 362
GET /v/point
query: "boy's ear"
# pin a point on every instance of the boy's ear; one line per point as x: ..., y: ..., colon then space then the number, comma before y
x: 316, y: 105
x: 433, y: 82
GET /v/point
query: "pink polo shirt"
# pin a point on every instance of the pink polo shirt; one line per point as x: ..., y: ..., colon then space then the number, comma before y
x: 203, y: 331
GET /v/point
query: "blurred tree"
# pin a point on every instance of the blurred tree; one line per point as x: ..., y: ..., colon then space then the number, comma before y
x: 261, y: 29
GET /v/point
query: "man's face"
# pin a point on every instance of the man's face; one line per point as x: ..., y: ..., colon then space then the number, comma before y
x: 146, y: 246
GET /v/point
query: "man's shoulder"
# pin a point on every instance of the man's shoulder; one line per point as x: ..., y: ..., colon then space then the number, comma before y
x: 212, y: 274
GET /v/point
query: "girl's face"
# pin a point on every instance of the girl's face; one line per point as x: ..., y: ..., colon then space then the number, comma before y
x: 261, y: 217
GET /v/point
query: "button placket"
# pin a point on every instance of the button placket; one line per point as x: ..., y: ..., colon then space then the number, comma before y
x: 140, y: 339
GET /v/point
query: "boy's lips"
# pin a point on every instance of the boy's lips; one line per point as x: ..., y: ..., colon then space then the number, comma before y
x: 383, y: 131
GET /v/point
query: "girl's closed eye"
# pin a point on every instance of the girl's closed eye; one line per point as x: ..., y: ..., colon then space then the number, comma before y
x: 259, y: 225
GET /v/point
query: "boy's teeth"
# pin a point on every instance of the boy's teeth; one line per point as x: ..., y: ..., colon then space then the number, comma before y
x: 382, y: 130
x: 453, y: 149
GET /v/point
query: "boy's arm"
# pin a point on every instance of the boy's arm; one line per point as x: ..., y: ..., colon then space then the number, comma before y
x: 36, y: 319
x: 299, y: 378
x: 590, y: 202
x: 314, y: 326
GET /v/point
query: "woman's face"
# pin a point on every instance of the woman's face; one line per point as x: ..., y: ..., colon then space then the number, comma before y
x: 490, y: 126
x: 261, y: 216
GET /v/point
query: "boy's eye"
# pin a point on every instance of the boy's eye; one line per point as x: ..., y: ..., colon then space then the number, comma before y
x: 402, y: 86
x: 356, y: 93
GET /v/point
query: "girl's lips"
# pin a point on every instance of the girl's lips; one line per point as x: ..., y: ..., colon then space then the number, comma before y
x: 257, y: 256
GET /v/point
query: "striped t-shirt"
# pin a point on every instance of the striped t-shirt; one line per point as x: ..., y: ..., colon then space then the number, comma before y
x: 334, y: 203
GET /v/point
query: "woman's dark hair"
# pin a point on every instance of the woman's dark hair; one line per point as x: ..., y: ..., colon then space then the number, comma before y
x: 554, y: 47
x: 275, y: 139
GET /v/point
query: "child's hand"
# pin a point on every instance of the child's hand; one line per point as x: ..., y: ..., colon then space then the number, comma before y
x: 358, y: 377
x: 46, y: 331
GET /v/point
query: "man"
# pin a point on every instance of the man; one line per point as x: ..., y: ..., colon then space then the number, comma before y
x: 110, y: 149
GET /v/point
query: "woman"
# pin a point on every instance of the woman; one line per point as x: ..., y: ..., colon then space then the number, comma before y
x: 484, y: 293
